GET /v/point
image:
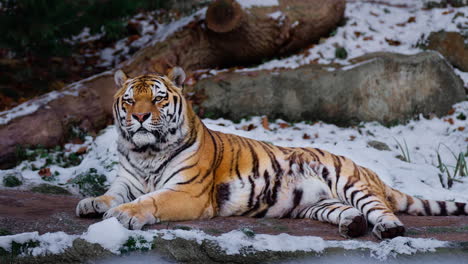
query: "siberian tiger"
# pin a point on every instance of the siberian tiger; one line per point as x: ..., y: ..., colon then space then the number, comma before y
x: 172, y: 167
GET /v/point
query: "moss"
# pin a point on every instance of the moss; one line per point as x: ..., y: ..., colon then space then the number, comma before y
x: 50, y: 189
x: 182, y: 227
x: 4, y: 232
x: 90, y: 183
x: 11, y: 181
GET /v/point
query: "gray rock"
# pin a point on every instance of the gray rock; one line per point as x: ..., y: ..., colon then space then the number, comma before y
x: 384, y: 87
x: 378, y: 145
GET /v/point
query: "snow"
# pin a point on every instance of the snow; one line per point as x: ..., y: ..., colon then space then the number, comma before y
x: 371, y: 27
x: 33, y: 105
x: 252, y: 3
x: 49, y: 243
x: 109, y: 233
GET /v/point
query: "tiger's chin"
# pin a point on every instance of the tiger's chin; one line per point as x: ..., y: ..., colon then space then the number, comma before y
x: 143, y: 138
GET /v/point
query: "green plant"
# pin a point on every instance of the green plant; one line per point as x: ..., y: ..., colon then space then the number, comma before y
x: 341, y: 53
x: 452, y: 173
x: 90, y: 183
x: 404, y: 151
x: 248, y: 232
x: 11, y: 181
x: 19, y: 248
x: 41, y: 26
x: 136, y: 243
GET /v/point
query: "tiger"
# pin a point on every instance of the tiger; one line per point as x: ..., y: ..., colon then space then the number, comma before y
x: 173, y: 168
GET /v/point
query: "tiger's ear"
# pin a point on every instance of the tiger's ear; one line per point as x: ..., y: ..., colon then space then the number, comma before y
x: 177, y: 76
x: 120, y: 77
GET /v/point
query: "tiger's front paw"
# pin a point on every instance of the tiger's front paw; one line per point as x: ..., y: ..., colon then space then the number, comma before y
x: 132, y: 215
x: 94, y: 206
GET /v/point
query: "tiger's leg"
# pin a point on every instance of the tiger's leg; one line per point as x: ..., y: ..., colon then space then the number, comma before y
x: 350, y: 221
x: 162, y: 205
x: 386, y: 223
x: 122, y: 190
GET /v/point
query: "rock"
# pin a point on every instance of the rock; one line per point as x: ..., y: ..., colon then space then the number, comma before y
x: 378, y: 145
x: 452, y: 46
x: 50, y: 189
x: 384, y: 87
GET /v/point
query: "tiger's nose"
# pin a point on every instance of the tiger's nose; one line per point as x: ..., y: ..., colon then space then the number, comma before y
x: 141, y: 116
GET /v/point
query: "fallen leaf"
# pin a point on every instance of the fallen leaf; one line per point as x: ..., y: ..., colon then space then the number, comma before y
x: 357, y: 34
x: 374, y: 14
x: 392, y: 42
x: 351, y: 138
x: 283, y: 125
x: 461, y: 128
x: 306, y: 136
x: 368, y: 38
x: 411, y: 19
x: 316, y: 135
x: 249, y: 127
x: 451, y: 111
x: 265, y: 123
x: 81, y: 150
x: 448, y: 12
x: 45, y: 172
x: 449, y: 120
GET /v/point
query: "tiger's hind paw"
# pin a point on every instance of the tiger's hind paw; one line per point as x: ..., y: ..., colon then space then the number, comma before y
x: 391, y: 229
x: 353, y: 226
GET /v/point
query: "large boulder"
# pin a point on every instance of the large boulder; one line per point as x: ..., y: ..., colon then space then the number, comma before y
x: 452, y: 46
x: 383, y: 87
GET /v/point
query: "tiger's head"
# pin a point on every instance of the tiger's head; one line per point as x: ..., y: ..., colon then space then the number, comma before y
x: 149, y: 109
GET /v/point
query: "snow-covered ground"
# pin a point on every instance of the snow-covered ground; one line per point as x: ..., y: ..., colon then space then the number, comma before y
x: 111, y: 235
x: 370, y: 28
x: 391, y: 26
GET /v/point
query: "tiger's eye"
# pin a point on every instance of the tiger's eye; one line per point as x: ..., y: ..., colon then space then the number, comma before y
x: 129, y: 101
x: 157, y: 99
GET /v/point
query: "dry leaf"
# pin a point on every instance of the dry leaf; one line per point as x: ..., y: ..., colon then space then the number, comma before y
x: 45, y: 172
x: 411, y: 19
x: 249, y: 127
x: 451, y: 111
x: 306, y: 136
x: 283, y: 125
x: 461, y: 128
x: 265, y: 123
x: 368, y: 38
x: 392, y: 42
x: 81, y: 150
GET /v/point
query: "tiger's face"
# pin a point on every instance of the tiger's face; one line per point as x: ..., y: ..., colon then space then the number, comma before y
x: 148, y: 108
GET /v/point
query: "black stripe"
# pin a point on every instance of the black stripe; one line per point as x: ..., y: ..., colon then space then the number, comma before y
x: 427, y: 208
x: 297, y: 197
x: 443, y: 208
x: 178, y: 171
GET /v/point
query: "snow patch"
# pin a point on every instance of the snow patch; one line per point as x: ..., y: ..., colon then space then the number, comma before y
x: 109, y: 233
x: 252, y: 3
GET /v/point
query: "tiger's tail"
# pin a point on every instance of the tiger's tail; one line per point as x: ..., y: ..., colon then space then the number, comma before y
x: 408, y: 204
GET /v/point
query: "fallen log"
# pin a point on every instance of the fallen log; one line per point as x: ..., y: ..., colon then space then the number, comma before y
x: 232, y: 35
x: 250, y: 35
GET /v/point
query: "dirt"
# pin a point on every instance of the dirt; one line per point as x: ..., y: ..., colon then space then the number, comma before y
x: 24, y: 211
